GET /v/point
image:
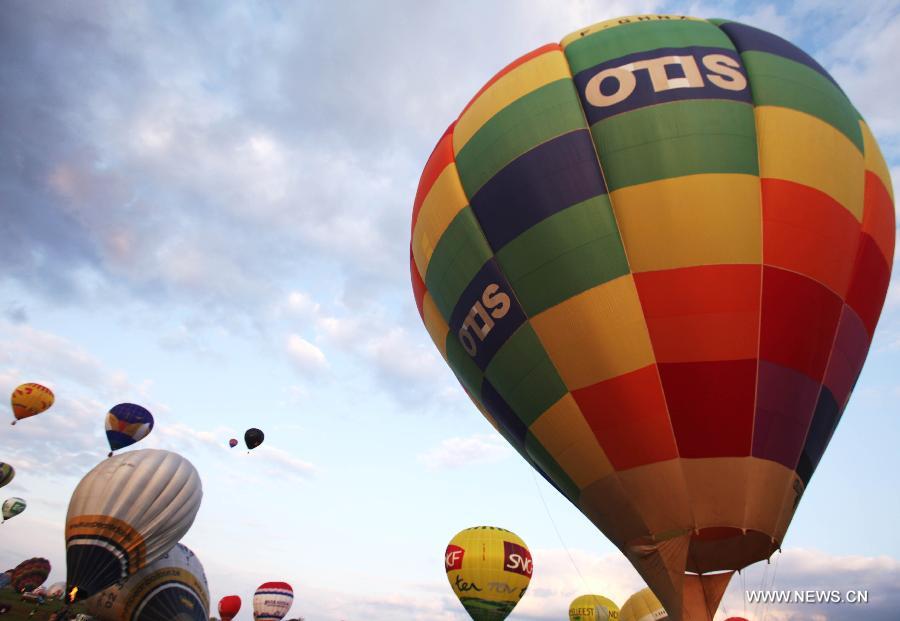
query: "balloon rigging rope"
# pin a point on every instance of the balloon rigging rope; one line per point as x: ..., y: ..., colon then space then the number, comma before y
x: 558, y: 535
x: 771, y: 586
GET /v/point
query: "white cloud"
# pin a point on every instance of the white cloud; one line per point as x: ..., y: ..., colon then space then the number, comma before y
x: 456, y: 452
x: 305, y: 356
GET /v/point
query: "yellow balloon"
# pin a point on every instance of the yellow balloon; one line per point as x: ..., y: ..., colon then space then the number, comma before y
x: 489, y: 570
x: 643, y: 606
x: 30, y: 399
x: 593, y: 608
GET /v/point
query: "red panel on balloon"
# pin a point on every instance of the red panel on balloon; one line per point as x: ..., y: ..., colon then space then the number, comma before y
x: 871, y: 277
x: 848, y: 355
x: 878, y: 215
x: 703, y: 313
x: 807, y: 231
x: 799, y: 319
x: 711, y: 406
x: 418, y: 284
x: 628, y: 416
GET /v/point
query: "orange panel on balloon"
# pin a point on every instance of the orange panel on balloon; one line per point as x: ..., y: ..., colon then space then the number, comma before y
x: 708, y: 312
x: 711, y: 405
x: 807, y: 231
x: 878, y: 215
x: 628, y: 415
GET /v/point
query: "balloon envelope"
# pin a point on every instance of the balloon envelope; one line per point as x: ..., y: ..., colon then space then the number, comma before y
x: 30, y: 399
x: 173, y: 587
x: 13, y: 507
x: 655, y: 255
x: 642, y: 606
x: 127, y: 423
x: 489, y: 570
x: 253, y: 437
x: 272, y: 601
x: 233, y: 442
x: 593, y: 608
x: 7, y: 474
x: 126, y: 513
x: 30, y: 574
x: 229, y: 606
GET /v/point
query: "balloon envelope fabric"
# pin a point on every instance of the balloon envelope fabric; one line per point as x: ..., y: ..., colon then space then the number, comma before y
x: 654, y: 255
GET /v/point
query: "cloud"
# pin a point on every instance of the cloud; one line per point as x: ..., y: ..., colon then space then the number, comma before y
x: 306, y: 357
x: 456, y: 452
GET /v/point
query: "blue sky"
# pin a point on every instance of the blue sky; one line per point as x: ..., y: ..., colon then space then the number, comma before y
x: 206, y: 211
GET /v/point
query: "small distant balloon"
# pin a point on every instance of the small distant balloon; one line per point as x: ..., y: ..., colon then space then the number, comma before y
x: 29, y: 575
x: 13, y: 507
x: 229, y: 605
x: 272, y: 601
x: 126, y: 424
x: 30, y: 399
x: 7, y: 473
x: 233, y: 442
x: 253, y: 437
x: 593, y: 608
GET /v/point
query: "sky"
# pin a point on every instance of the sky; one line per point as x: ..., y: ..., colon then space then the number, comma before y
x: 206, y: 210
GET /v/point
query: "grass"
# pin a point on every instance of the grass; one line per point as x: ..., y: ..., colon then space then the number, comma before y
x: 21, y: 609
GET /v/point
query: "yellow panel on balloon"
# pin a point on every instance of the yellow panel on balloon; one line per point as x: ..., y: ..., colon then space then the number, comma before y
x: 593, y: 608
x: 489, y: 569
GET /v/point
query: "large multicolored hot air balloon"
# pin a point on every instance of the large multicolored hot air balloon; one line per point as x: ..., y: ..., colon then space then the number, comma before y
x: 7, y: 474
x: 272, y: 601
x: 489, y: 570
x: 172, y: 587
x: 229, y: 607
x: 29, y: 575
x: 655, y: 255
x: 13, y: 507
x: 30, y: 399
x: 127, y: 423
x: 125, y: 514
x: 643, y: 606
x: 593, y: 608
x: 253, y: 437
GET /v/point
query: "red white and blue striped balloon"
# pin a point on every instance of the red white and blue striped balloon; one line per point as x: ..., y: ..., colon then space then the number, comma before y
x: 272, y: 601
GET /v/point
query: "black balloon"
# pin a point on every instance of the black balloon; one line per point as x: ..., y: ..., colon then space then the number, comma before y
x: 253, y: 437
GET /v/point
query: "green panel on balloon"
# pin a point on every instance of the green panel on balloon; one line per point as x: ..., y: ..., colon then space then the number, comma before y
x: 547, y: 112
x: 524, y: 376
x: 677, y: 139
x: 467, y: 372
x: 459, y: 254
x: 569, y: 252
x: 778, y: 81
x: 606, y: 45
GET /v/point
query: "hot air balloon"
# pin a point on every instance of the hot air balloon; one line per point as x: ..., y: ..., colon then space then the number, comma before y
x: 736, y: 619
x: 654, y: 256
x: 593, y: 608
x: 13, y: 507
x: 126, y: 424
x: 7, y: 474
x: 253, y: 437
x: 56, y: 590
x: 233, y: 442
x: 30, y: 399
x: 125, y: 514
x: 29, y: 575
x: 489, y: 570
x: 643, y: 606
x: 272, y: 601
x: 172, y: 587
x: 229, y: 606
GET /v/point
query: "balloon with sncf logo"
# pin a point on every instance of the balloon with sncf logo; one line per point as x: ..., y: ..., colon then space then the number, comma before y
x: 272, y: 601
x: 654, y: 255
x: 489, y: 569
x: 127, y: 423
x: 29, y: 400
